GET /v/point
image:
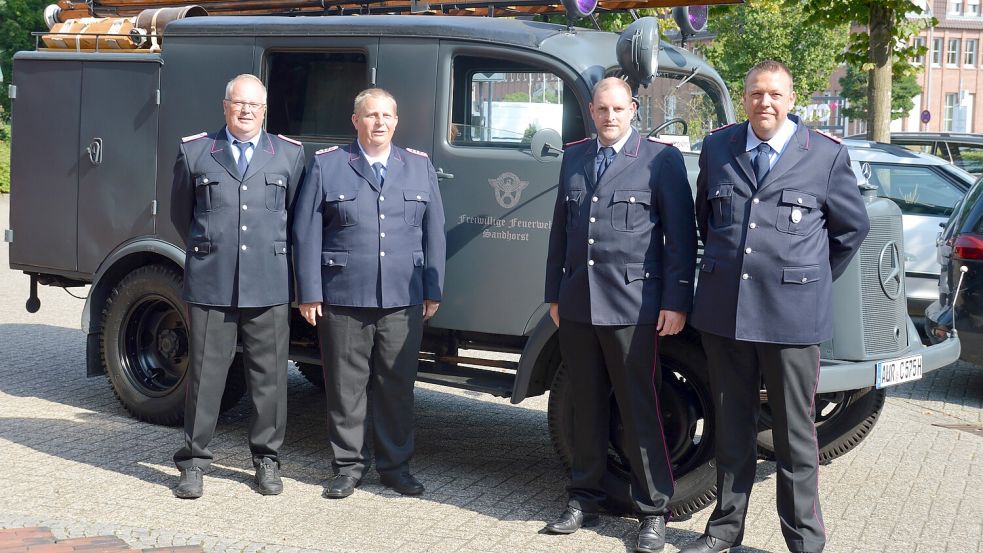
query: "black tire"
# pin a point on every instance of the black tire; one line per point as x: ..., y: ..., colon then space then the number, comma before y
x: 843, y: 420
x: 687, y: 416
x: 144, y: 347
x: 313, y: 373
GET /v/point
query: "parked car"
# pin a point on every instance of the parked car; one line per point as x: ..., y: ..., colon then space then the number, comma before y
x: 960, y: 248
x: 926, y: 189
x: 961, y: 149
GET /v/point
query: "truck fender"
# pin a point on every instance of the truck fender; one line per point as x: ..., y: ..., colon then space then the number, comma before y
x: 541, y: 347
x: 125, y: 258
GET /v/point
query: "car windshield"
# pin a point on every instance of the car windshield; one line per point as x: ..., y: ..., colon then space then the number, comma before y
x: 918, y: 190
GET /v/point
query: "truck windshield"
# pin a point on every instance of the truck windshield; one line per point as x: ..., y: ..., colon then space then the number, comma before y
x: 682, y: 111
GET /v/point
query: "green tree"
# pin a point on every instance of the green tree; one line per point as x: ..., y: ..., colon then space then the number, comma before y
x: 884, y: 49
x: 771, y: 29
x: 855, y: 87
x: 18, y: 19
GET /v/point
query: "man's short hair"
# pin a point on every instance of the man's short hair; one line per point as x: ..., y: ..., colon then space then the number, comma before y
x: 610, y: 82
x: 243, y: 77
x: 374, y: 93
x: 771, y: 66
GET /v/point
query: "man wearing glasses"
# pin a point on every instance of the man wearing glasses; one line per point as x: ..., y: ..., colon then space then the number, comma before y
x: 231, y: 198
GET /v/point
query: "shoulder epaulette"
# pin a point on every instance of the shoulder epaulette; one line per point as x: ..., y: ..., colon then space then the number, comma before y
x: 657, y: 141
x: 325, y: 150
x: 417, y: 152
x: 194, y: 137
x: 575, y: 142
x: 829, y: 136
x: 722, y: 128
x: 290, y: 140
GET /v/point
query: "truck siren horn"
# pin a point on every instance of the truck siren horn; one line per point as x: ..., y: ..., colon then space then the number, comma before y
x: 691, y: 19
x: 579, y: 8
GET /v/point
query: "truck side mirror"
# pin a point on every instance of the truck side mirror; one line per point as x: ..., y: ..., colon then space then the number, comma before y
x: 546, y: 145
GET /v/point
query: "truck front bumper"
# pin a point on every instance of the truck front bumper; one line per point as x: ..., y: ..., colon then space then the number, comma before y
x: 836, y: 376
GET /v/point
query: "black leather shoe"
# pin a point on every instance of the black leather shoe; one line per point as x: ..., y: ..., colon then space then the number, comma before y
x: 341, y: 486
x: 268, y: 480
x: 191, y: 484
x: 651, y: 535
x: 571, y: 520
x: 403, y: 483
x: 707, y: 544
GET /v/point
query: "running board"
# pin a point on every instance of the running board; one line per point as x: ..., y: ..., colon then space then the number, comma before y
x: 466, y: 378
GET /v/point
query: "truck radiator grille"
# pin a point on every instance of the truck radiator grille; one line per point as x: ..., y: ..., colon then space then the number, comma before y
x: 885, y: 319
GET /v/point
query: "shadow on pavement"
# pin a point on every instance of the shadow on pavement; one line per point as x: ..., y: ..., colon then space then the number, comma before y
x: 489, y: 457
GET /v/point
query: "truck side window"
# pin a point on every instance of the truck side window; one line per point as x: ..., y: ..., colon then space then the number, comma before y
x: 310, y: 94
x: 500, y: 103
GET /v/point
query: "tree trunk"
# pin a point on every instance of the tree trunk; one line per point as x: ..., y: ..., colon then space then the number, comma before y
x: 879, y: 81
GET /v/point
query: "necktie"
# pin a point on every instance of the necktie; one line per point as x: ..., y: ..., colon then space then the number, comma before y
x: 604, y: 157
x: 762, y: 163
x: 380, y: 172
x: 243, y: 162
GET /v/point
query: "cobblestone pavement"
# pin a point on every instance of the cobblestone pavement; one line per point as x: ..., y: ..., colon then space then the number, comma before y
x: 75, y: 462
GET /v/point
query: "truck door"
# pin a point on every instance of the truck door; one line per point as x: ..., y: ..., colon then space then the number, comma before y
x: 117, y: 167
x: 44, y: 191
x: 498, y: 199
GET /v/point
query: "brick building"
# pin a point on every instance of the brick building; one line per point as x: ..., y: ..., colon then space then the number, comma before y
x: 951, y: 79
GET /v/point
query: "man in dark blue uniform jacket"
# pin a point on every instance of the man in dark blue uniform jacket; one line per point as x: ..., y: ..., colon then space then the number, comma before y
x: 780, y: 216
x: 231, y: 197
x: 619, y: 274
x: 370, y: 247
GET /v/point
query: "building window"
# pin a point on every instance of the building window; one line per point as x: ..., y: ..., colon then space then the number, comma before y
x: 970, y: 55
x: 952, y: 55
x: 955, y: 7
x: 919, y: 43
x: 973, y: 8
x: 951, y: 101
x: 936, y: 51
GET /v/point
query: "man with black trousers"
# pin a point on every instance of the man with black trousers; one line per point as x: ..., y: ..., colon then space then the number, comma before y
x: 780, y: 216
x: 370, y: 247
x: 232, y: 193
x: 619, y: 274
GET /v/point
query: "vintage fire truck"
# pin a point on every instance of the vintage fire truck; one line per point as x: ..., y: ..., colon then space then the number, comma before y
x: 100, y: 107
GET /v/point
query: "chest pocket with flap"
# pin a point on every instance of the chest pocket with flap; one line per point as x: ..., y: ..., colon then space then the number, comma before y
x: 415, y: 205
x: 632, y: 210
x: 798, y: 212
x: 276, y: 191
x: 208, y: 195
x: 721, y: 198
x: 341, y: 204
x: 572, y: 200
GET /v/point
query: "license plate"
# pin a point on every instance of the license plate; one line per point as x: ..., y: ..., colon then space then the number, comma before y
x: 897, y: 371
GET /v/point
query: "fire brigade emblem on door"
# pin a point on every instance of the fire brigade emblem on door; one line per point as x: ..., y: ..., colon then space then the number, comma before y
x: 508, y: 189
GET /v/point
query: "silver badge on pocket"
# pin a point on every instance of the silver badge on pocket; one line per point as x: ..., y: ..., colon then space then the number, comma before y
x: 796, y: 215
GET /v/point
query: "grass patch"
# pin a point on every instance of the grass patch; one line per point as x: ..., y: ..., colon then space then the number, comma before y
x: 4, y: 159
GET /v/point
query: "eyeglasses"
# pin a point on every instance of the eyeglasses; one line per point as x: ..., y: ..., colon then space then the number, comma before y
x: 240, y: 105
